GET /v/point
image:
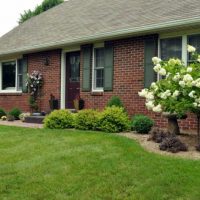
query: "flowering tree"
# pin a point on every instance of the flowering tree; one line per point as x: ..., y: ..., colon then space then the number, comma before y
x: 34, y: 83
x: 178, y: 91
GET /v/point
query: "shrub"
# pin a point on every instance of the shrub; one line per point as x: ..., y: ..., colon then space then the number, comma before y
x: 114, y: 119
x: 87, y: 120
x: 142, y: 124
x: 10, y: 118
x: 15, y: 112
x: 172, y: 144
x: 115, y: 101
x: 22, y: 116
x: 2, y: 113
x: 158, y: 135
x: 59, y: 119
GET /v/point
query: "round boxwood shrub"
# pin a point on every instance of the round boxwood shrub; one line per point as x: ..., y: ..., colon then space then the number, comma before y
x: 115, y: 101
x: 142, y: 124
x: 113, y: 120
x: 87, y: 119
x: 59, y: 119
x: 15, y: 112
x: 2, y: 113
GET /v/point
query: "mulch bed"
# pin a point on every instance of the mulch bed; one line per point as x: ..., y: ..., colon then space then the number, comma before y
x: 189, y: 139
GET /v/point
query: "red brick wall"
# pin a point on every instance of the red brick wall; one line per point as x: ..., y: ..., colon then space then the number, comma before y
x: 51, y: 76
x: 128, y: 80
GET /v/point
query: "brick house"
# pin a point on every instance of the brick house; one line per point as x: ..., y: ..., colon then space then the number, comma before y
x: 97, y: 49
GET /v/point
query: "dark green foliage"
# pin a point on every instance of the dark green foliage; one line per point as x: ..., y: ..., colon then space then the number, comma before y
x: 46, y: 5
x: 15, y: 112
x: 33, y: 104
x: 115, y: 101
x: 142, y: 124
x: 87, y: 120
x: 2, y: 113
x: 113, y: 120
x: 59, y: 119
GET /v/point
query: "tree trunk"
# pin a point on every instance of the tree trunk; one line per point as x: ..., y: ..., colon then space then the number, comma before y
x: 173, y: 126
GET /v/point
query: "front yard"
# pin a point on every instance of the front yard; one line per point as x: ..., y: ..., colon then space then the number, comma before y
x: 59, y: 164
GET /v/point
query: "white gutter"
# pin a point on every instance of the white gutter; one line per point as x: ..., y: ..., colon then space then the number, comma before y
x: 107, y: 35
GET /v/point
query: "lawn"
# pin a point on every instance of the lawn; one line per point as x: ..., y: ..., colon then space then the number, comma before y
x: 56, y: 165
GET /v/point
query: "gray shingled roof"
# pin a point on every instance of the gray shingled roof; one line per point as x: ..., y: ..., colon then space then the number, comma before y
x: 77, y: 21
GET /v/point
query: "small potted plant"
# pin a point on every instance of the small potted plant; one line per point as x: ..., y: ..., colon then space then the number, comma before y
x: 79, y: 103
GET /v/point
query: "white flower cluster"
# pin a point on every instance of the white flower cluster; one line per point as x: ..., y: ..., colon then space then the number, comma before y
x: 187, y: 81
x: 165, y: 94
x: 150, y: 103
x: 196, y: 83
x: 174, y: 62
x: 191, y: 49
x: 175, y: 94
x: 177, y: 77
x: 158, y: 68
x: 146, y: 94
x: 197, y: 103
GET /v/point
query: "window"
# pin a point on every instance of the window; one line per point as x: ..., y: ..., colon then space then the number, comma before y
x: 74, y: 73
x: 194, y: 40
x: 171, y: 48
x: 98, y: 69
x: 8, y: 75
x: 12, y: 75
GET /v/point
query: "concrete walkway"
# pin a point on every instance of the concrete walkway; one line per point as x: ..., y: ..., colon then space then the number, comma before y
x: 21, y: 124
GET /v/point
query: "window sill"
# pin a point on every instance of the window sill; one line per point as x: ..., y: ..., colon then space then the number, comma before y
x: 97, y: 93
x: 10, y: 93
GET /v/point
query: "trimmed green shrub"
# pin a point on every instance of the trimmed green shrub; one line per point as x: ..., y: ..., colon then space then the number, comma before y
x: 2, y: 113
x: 87, y: 119
x: 142, y: 124
x: 115, y: 101
x: 59, y: 119
x: 113, y: 120
x: 15, y: 112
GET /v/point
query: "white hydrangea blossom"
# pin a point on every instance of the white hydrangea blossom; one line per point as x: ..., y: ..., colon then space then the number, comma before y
x: 157, y: 109
x: 150, y: 96
x: 143, y: 93
x: 165, y: 94
x: 197, y: 102
x: 192, y: 94
x: 182, y: 83
x: 187, y: 78
x: 196, y: 83
x: 177, y: 77
x: 174, y: 62
x: 191, y: 49
x: 150, y: 105
x: 156, y: 60
x: 157, y: 68
x: 175, y: 94
x: 162, y: 72
x: 154, y: 86
x: 189, y: 69
x: 198, y: 59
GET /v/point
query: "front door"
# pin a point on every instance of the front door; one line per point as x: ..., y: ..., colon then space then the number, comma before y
x: 73, y: 78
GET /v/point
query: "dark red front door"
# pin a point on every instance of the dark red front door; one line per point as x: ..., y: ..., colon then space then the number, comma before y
x: 73, y: 78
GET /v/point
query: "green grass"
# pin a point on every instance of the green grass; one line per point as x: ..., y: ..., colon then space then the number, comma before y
x: 56, y: 165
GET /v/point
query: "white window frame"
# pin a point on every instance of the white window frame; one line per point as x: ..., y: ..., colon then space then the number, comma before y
x: 15, y: 89
x: 94, y: 89
x: 184, y: 36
